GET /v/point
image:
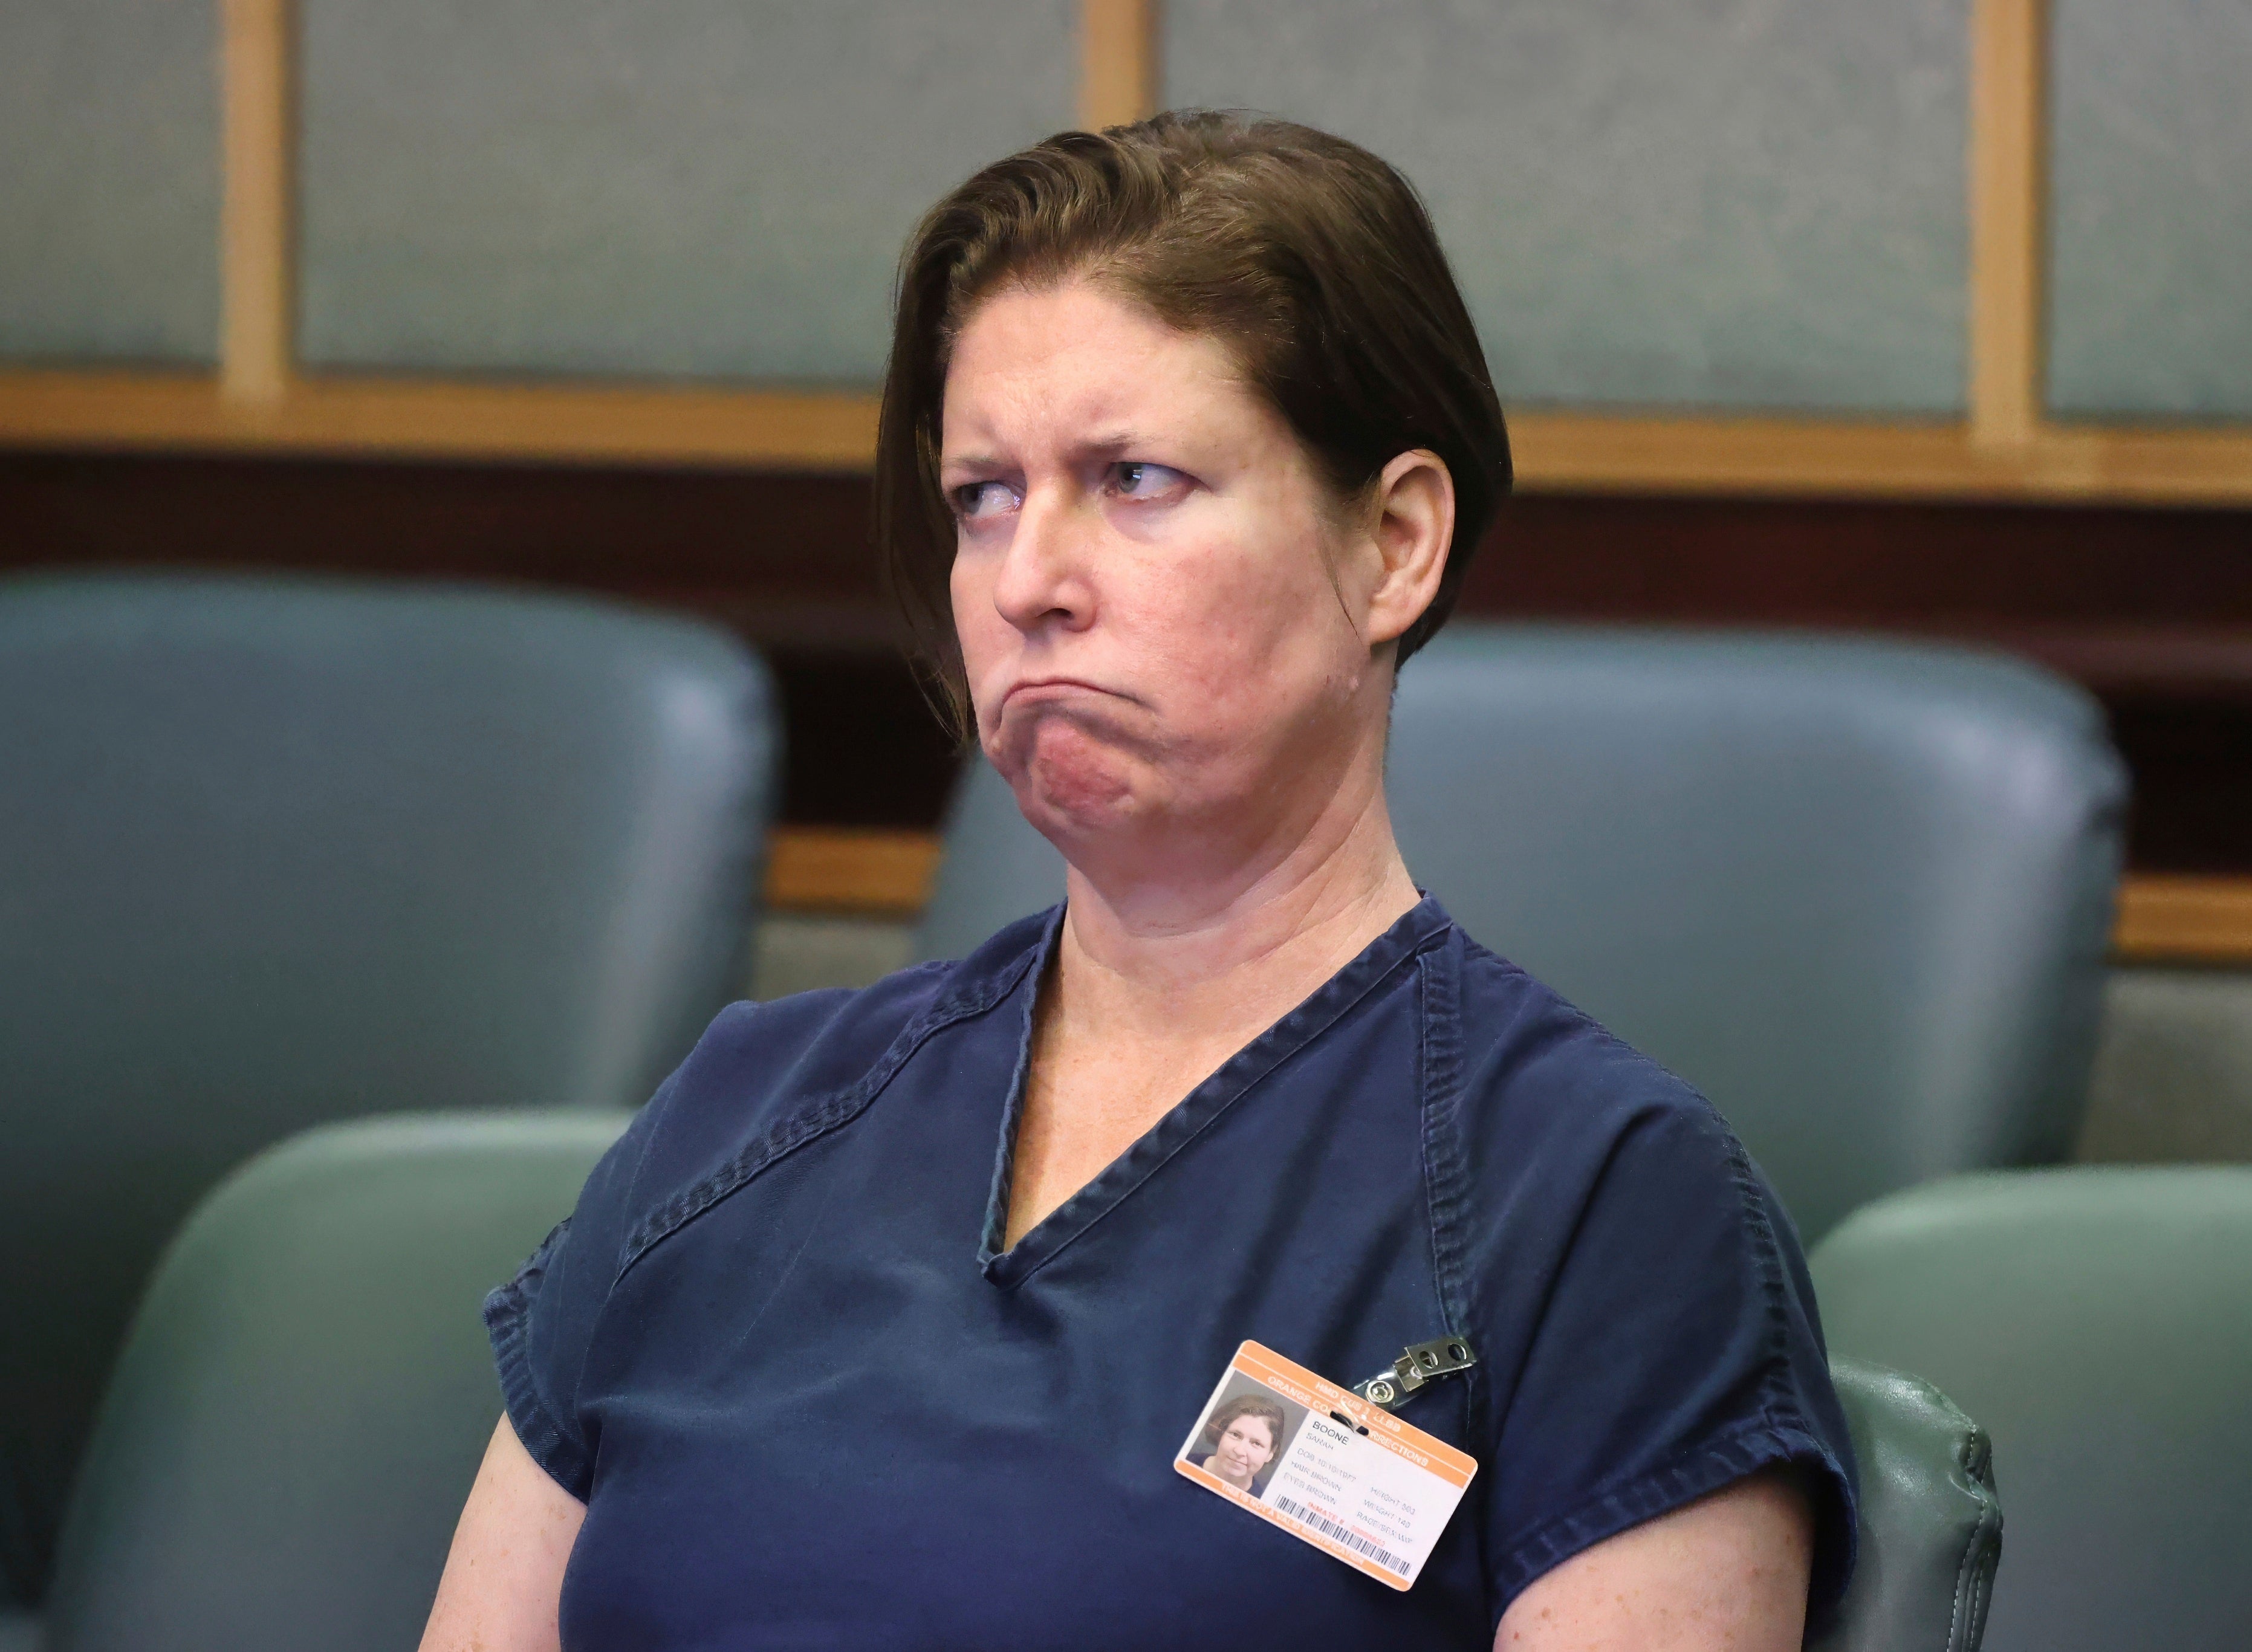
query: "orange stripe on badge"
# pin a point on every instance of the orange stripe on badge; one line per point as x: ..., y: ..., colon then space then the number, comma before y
x: 1317, y: 1393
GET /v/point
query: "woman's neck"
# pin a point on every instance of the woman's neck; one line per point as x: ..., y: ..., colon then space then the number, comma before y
x: 1222, y: 960
x: 1157, y: 982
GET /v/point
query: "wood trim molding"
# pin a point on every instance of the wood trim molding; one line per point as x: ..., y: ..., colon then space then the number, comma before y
x: 1579, y: 452
x: 1117, y: 62
x: 2008, y: 192
x: 850, y: 871
x: 631, y: 424
x: 2195, y: 920
x: 1556, y: 452
x: 888, y: 875
x: 257, y: 245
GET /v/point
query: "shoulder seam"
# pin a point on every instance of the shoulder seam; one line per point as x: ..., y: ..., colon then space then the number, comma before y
x: 1439, y: 1048
x: 1579, y: 1018
x: 1767, y: 1257
x: 816, y: 1119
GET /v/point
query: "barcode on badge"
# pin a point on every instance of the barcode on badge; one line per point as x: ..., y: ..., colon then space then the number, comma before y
x: 1345, y: 1535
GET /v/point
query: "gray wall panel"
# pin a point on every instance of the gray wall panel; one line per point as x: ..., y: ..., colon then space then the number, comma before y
x: 694, y: 187
x: 1735, y: 203
x: 2151, y: 301
x: 109, y: 180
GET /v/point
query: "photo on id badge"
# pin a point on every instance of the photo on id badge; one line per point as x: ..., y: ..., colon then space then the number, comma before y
x: 1243, y: 1433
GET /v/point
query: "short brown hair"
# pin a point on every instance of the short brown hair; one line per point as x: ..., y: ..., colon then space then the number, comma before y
x: 1268, y: 1410
x: 1311, y: 258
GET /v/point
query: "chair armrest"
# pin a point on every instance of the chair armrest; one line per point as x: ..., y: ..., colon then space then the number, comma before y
x: 1930, y: 1518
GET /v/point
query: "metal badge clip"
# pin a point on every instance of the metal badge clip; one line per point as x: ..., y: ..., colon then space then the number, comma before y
x: 1420, y: 1363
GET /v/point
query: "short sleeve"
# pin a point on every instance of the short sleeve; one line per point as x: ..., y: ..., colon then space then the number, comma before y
x: 1678, y: 1351
x: 542, y: 1321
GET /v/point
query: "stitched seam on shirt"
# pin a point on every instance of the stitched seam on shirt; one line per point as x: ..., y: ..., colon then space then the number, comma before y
x: 1439, y: 1050
x: 1761, y: 1424
x: 629, y: 1195
x: 507, y: 1316
x: 1775, y: 1383
x: 1004, y: 1152
x: 1244, y: 1089
x: 813, y: 1122
x: 1767, y: 1256
x: 1718, y: 1461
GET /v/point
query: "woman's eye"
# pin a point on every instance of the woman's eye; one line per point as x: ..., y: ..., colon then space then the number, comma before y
x: 976, y: 501
x: 1135, y: 479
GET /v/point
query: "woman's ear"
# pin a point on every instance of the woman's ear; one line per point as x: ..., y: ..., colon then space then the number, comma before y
x: 1412, y: 526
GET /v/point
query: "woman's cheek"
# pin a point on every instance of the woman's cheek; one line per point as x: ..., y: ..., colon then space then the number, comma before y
x: 979, y: 630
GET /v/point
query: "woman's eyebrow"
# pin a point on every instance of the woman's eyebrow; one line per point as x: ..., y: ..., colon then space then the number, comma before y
x: 1103, y: 447
x: 1113, y: 444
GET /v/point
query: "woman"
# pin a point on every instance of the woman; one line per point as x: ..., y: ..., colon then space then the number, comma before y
x: 1245, y: 1434
x: 1186, y: 441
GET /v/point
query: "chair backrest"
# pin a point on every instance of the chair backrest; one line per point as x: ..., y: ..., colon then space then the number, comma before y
x: 1930, y: 1518
x: 307, y: 1391
x: 1859, y: 892
x: 994, y: 869
x: 276, y: 853
x: 2098, y: 1324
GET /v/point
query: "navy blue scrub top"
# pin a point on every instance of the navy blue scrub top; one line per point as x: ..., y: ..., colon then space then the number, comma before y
x: 810, y: 1401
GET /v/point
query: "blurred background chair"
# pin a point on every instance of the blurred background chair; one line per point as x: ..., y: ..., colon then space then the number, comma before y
x: 1858, y: 892
x: 307, y: 1391
x: 276, y: 853
x: 2098, y: 1322
x: 1930, y: 1518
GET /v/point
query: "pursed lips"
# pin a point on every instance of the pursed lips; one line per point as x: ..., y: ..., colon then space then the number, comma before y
x: 1059, y: 688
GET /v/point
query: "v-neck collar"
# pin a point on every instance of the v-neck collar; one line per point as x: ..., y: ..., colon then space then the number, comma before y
x: 1116, y: 1182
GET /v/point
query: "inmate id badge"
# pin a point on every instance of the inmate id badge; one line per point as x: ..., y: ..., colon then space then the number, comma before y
x: 1372, y: 1490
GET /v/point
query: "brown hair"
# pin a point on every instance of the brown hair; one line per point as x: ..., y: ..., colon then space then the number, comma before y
x: 1268, y: 1410
x: 1311, y: 258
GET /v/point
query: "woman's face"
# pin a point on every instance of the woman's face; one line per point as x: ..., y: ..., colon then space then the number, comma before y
x: 1164, y: 616
x: 1246, y: 1446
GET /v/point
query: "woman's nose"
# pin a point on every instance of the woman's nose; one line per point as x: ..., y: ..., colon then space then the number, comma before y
x: 1043, y: 578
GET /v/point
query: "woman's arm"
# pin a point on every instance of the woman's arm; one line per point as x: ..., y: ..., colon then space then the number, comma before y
x: 1727, y: 1573
x: 505, y: 1574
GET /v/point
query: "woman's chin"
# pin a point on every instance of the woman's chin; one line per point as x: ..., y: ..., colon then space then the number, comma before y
x: 1072, y: 784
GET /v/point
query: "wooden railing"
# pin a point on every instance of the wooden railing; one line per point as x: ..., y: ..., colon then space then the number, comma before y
x: 887, y: 875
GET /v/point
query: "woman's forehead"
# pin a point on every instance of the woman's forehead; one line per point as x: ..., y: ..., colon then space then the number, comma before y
x: 1020, y: 317
x: 1076, y: 364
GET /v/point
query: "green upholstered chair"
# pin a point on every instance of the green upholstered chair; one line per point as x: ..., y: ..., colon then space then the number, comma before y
x: 279, y: 852
x: 2098, y: 1321
x: 307, y: 1391
x: 1930, y: 1518
x: 1858, y: 892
